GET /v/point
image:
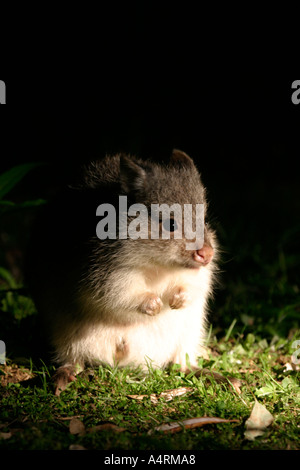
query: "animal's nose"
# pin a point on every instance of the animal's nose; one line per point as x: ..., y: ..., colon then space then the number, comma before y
x: 204, y: 255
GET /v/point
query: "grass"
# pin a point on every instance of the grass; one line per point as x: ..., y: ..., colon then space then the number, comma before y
x: 249, y: 347
x: 254, y: 324
x: 37, y: 419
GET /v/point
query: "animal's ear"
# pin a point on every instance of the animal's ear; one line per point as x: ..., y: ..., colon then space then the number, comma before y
x: 132, y: 175
x: 181, y: 160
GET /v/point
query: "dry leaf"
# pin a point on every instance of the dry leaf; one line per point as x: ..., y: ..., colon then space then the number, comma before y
x: 66, y: 418
x: 154, y: 398
x: 5, y: 435
x: 248, y: 371
x: 288, y: 367
x: 260, y: 418
x: 236, y: 384
x: 191, y: 423
x: 106, y: 427
x: 76, y: 426
x: 14, y: 374
x: 137, y: 397
x: 168, y: 395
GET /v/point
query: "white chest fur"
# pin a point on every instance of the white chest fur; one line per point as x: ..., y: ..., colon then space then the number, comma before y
x: 136, y: 338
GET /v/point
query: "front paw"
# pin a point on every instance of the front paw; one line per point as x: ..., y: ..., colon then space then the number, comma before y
x: 151, y: 305
x: 179, y: 298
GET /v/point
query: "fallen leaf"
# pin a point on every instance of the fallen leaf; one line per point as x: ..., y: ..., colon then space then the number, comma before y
x: 14, y: 374
x: 236, y: 384
x: 168, y: 395
x: 106, y: 427
x: 66, y: 418
x: 259, y: 419
x: 287, y: 367
x: 76, y: 426
x: 5, y: 435
x: 137, y: 397
x: 191, y: 423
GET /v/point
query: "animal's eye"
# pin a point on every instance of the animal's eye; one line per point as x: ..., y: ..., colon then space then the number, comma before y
x: 170, y: 225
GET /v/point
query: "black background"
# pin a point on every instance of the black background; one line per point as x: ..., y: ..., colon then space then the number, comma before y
x: 239, y: 128
x: 144, y: 79
x: 242, y: 131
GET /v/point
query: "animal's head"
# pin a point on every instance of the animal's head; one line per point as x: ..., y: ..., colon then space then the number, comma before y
x: 166, y: 212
